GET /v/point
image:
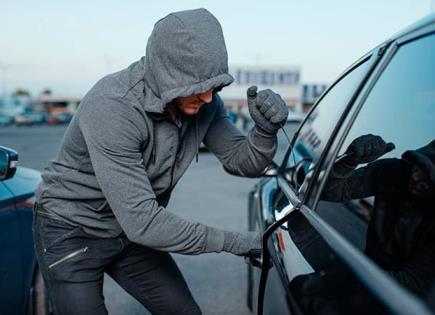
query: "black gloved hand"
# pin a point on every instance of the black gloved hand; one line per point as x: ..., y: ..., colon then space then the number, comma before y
x: 267, y: 109
x: 367, y: 148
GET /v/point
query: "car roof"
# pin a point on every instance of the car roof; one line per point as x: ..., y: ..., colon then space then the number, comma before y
x: 423, y: 22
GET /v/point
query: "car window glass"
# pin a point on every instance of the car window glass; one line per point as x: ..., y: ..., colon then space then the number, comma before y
x: 319, y: 125
x: 380, y: 192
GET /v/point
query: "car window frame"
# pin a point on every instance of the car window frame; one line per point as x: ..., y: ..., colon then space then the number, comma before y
x: 313, y: 108
x: 373, y: 57
x: 362, y: 265
x: 369, y: 57
x: 387, y: 52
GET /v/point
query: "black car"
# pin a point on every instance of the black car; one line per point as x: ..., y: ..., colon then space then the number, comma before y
x: 345, y: 234
x: 22, y: 289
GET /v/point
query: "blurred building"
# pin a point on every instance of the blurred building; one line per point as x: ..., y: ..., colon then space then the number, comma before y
x: 310, y: 93
x: 284, y: 80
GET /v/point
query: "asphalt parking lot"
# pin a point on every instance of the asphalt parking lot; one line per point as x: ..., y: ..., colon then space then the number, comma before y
x: 206, y: 194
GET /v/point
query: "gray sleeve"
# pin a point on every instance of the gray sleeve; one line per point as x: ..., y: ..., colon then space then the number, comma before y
x: 241, y: 155
x: 113, y: 140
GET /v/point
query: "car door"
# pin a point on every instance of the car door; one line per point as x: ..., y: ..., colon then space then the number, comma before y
x: 11, y: 277
x: 327, y: 237
x: 23, y: 186
x: 309, y: 142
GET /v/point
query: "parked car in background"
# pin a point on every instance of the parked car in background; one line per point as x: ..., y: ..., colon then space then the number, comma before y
x: 6, y: 120
x: 22, y: 289
x: 60, y: 118
x: 23, y: 120
x: 28, y: 118
x: 358, y: 237
x: 8, y: 109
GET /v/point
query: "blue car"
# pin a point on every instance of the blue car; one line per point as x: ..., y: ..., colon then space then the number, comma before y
x: 22, y: 289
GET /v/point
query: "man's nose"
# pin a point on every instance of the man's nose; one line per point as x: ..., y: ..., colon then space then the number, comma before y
x: 206, y: 97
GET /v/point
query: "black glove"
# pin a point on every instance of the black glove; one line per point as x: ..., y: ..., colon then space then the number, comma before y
x: 267, y: 109
x: 367, y: 148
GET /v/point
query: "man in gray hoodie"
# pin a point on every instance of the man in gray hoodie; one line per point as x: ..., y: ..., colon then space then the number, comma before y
x: 101, y: 204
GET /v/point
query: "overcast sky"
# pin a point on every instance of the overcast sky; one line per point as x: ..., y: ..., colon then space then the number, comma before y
x: 68, y: 45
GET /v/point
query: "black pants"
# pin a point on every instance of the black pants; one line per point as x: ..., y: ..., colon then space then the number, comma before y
x: 73, y: 264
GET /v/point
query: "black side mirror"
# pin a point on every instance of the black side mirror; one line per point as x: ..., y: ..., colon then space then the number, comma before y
x: 8, y: 163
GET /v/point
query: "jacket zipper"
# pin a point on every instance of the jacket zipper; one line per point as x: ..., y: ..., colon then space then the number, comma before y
x: 69, y: 256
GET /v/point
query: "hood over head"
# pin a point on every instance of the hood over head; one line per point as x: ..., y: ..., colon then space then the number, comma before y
x: 185, y: 55
x: 424, y: 157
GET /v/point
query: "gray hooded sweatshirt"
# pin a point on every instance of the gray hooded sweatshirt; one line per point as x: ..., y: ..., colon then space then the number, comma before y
x: 122, y: 154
